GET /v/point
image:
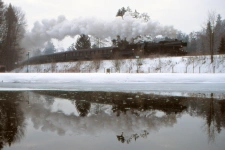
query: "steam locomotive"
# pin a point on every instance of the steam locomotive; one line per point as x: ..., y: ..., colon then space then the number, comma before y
x: 170, y: 48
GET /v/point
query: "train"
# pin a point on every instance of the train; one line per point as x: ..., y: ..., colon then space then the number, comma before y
x: 2, y: 68
x: 169, y: 48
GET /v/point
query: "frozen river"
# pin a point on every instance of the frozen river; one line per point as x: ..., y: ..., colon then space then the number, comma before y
x: 166, y: 82
x: 125, y: 87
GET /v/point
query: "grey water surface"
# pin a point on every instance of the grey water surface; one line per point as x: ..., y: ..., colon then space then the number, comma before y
x: 100, y: 120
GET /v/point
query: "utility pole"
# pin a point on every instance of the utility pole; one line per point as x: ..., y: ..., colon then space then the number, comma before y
x: 27, y: 61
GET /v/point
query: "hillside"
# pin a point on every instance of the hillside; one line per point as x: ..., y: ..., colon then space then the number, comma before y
x: 185, y: 64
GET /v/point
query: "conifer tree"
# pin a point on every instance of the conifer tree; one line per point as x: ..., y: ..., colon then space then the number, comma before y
x: 121, y: 12
x: 1, y: 28
x: 12, y: 29
x: 1, y: 12
x: 49, y: 48
x: 71, y: 47
x: 222, y: 46
x: 83, y: 42
x: 9, y: 39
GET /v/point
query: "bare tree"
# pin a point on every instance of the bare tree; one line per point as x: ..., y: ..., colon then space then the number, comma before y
x: 210, y: 32
x: 77, y: 67
x: 53, y: 67
x: 96, y: 64
x: 117, y: 62
x: 130, y: 65
x: 98, y: 42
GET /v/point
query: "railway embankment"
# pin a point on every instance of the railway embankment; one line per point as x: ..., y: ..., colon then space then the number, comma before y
x: 185, y: 64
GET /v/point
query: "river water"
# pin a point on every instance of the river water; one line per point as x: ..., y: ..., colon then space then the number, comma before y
x: 111, y: 120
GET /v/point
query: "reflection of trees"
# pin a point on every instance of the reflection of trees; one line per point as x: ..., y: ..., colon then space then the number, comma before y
x: 127, y: 112
x: 83, y: 107
x: 143, y: 102
x: 212, y: 111
x: 99, y: 118
x: 11, y: 119
x: 213, y: 118
x: 49, y: 100
x: 130, y: 108
x: 135, y: 136
x: 123, y: 102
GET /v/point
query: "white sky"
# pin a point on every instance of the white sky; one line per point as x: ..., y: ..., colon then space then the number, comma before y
x: 184, y: 15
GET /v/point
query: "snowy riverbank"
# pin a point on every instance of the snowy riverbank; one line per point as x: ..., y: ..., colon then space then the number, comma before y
x: 157, y: 83
x: 111, y: 78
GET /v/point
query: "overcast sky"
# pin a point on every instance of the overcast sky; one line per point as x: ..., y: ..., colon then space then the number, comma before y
x: 184, y: 15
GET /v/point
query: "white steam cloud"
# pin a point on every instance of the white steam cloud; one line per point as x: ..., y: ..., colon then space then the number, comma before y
x: 61, y: 27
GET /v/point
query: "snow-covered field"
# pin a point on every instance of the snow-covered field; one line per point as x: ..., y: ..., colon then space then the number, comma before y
x: 169, y: 74
x: 76, y: 78
x: 126, y: 82
x: 187, y: 64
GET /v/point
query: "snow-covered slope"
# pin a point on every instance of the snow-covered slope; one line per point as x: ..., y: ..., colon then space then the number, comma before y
x: 186, y: 64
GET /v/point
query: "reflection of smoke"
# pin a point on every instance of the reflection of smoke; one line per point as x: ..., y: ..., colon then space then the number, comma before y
x: 46, y: 120
x: 61, y: 27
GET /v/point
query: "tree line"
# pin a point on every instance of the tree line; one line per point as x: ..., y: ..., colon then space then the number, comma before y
x: 12, y: 30
x: 210, y: 39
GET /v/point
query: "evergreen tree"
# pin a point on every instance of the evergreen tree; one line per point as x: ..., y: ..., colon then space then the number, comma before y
x: 182, y: 36
x: 136, y: 14
x: 114, y: 43
x: 49, y: 48
x: 145, y: 17
x: 71, y: 48
x: 121, y: 12
x: 222, y: 46
x: 1, y: 13
x: 1, y: 28
x: 218, y: 32
x: 192, y: 45
x: 11, y: 32
x: 128, y: 9
x: 83, y: 42
x: 218, y: 27
x: 9, y: 39
x: 122, y: 43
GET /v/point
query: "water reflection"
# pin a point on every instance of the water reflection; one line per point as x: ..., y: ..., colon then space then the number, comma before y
x: 83, y: 107
x: 130, y: 116
x: 213, y: 112
x: 146, y: 107
x: 124, y: 139
x: 12, y: 123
